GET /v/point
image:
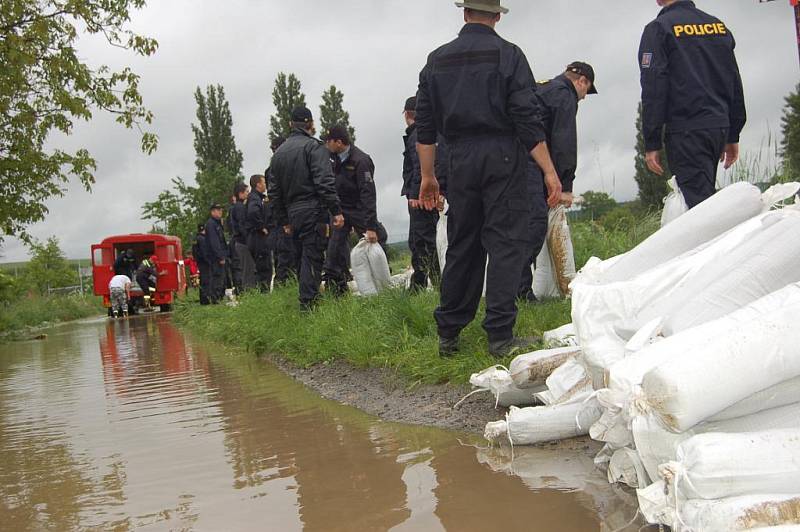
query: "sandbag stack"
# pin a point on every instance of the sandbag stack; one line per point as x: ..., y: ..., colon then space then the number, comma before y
x: 685, y: 363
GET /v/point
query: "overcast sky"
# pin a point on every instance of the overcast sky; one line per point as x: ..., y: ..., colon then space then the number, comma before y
x: 373, y: 51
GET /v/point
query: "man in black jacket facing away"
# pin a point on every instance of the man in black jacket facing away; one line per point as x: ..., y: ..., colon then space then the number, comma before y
x: 302, y: 191
x: 242, y: 265
x: 199, y: 248
x: 216, y: 255
x: 259, y: 226
x: 355, y: 185
x: 478, y: 92
x: 558, y: 102
x: 692, y: 91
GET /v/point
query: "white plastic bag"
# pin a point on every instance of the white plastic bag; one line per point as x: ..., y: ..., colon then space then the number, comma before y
x: 570, y: 380
x: 716, y: 465
x: 441, y: 237
x: 555, y: 265
x: 370, y: 268
x: 564, y: 336
x: 541, y: 424
x: 626, y: 467
x: 530, y: 370
x: 674, y: 204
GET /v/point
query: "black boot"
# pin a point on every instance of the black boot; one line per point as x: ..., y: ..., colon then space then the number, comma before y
x: 512, y: 346
x: 448, y: 347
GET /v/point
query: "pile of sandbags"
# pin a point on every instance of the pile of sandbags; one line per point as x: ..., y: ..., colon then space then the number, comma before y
x: 370, y: 268
x: 686, y: 365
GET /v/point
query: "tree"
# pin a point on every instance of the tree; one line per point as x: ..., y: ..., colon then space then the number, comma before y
x: 46, y: 85
x: 332, y: 113
x: 596, y: 204
x: 285, y: 96
x: 653, y: 188
x: 790, y: 144
x: 177, y: 211
x: 49, y: 268
x: 214, y: 144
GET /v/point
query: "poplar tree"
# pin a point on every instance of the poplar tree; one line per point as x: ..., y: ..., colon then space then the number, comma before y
x: 653, y: 188
x: 332, y: 113
x: 286, y: 95
x: 790, y: 144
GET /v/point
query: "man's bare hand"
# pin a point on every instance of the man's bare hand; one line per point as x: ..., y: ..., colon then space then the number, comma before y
x: 429, y: 193
x: 371, y: 236
x: 338, y: 221
x: 567, y: 199
x: 440, y: 203
x: 553, y: 184
x: 287, y: 229
x: 653, y: 160
x: 730, y: 155
x: 414, y: 204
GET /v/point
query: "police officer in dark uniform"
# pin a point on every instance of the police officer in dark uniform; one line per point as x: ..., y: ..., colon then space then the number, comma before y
x: 355, y: 186
x: 242, y: 265
x: 558, y: 101
x: 199, y: 248
x: 478, y: 92
x: 691, y: 85
x: 286, y: 249
x: 125, y: 264
x: 260, y: 226
x: 216, y: 255
x: 302, y: 191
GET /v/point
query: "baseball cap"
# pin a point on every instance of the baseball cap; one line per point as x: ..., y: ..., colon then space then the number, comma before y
x: 411, y: 104
x: 583, y: 69
x: 337, y: 133
x: 302, y: 114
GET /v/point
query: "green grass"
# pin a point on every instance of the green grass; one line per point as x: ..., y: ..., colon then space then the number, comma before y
x: 34, y: 311
x: 394, y: 330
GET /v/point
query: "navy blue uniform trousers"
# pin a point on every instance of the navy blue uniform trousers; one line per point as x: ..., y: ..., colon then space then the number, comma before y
x: 693, y: 157
x: 537, y: 228
x: 489, y: 214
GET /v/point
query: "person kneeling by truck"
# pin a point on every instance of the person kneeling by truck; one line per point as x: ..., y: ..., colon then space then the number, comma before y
x: 120, y: 290
x: 147, y: 277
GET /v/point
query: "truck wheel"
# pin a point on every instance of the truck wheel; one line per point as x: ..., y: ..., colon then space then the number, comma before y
x: 166, y: 307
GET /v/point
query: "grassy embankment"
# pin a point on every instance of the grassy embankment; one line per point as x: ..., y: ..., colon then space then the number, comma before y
x: 33, y: 311
x: 394, y: 330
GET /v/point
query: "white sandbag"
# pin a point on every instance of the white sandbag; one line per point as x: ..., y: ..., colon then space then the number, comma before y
x: 782, y: 394
x: 441, y: 237
x: 402, y: 280
x: 748, y: 512
x: 626, y: 467
x: 743, y: 359
x: 562, y: 337
x: 760, y: 266
x: 533, y: 425
x: 674, y: 204
x: 724, y: 210
x: 555, y: 265
x: 716, y: 465
x: 497, y: 380
x: 657, y: 445
x: 530, y: 370
x: 599, y: 309
x: 570, y: 380
x: 370, y: 268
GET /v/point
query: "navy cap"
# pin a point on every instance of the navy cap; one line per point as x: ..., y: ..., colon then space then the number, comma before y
x: 337, y: 133
x: 302, y: 114
x: 215, y: 206
x: 411, y: 104
x: 583, y: 69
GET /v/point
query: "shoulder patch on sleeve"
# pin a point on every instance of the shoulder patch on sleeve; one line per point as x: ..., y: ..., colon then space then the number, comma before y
x: 368, y: 177
x: 647, y: 60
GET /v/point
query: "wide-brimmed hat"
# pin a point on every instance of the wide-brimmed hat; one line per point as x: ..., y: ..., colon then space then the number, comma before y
x: 490, y: 6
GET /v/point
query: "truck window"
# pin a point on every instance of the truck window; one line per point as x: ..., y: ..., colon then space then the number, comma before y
x: 97, y: 259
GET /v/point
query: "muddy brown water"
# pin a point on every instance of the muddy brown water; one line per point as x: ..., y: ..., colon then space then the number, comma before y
x: 131, y: 425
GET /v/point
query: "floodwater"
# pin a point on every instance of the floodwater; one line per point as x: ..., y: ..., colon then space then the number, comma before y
x: 132, y: 425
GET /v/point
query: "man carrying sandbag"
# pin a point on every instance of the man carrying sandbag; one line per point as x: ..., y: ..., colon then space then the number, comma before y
x: 302, y: 191
x: 355, y: 186
x: 691, y: 85
x: 478, y: 92
x: 558, y: 100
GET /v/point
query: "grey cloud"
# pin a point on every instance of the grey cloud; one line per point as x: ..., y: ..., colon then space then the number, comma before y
x: 373, y: 51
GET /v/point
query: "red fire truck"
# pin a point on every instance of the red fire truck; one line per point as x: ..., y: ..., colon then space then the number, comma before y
x: 168, y: 251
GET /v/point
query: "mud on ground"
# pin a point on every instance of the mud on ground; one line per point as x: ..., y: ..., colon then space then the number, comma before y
x: 389, y: 397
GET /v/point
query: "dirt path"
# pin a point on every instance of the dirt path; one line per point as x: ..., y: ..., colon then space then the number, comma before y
x: 382, y: 394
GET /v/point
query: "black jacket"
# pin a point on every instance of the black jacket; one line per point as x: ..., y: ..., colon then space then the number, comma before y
x: 412, y: 174
x: 199, y: 248
x: 258, y: 213
x: 237, y: 215
x: 478, y: 84
x: 558, y: 101
x: 355, y: 185
x: 690, y: 78
x: 301, y: 177
x: 125, y: 265
x: 216, y: 249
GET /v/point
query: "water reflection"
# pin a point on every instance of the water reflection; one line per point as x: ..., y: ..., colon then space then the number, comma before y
x: 129, y: 425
